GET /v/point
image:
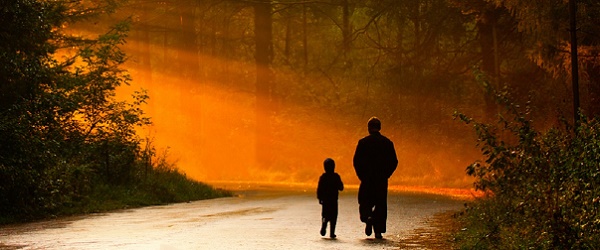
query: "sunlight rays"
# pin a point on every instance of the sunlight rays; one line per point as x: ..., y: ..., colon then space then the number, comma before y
x: 209, y: 128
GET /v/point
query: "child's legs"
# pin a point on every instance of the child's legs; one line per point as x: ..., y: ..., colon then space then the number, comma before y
x: 323, y: 223
x: 330, y: 211
x: 324, y: 216
x: 334, y: 213
x: 331, y: 215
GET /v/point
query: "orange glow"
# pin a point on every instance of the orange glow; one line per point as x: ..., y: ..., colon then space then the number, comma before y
x: 458, y: 193
x: 209, y: 130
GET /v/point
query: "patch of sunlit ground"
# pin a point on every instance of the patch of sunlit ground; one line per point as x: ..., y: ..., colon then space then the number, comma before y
x: 457, y: 193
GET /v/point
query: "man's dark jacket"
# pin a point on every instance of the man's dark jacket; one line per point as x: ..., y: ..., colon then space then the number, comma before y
x: 374, y: 162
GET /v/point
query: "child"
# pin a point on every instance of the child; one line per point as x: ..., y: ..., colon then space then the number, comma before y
x: 327, y: 193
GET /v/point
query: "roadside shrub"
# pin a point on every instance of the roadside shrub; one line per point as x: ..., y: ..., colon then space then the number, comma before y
x: 171, y: 185
x: 67, y: 145
x: 542, y: 188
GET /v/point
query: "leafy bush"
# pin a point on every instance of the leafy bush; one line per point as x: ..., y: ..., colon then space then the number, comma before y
x: 66, y: 144
x: 543, y: 188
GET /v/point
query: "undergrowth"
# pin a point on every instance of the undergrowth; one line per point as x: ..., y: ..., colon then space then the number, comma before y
x: 542, y: 188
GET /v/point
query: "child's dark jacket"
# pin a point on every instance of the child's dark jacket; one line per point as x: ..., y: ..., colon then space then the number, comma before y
x: 330, y: 184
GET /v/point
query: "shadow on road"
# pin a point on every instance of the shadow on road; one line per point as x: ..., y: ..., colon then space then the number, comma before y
x: 377, y: 242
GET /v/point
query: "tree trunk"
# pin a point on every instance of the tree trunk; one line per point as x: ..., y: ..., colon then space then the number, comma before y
x: 188, y: 50
x: 188, y: 69
x: 416, y: 19
x: 264, y: 81
x: 304, y: 39
x: 346, y: 32
x: 288, y: 38
x: 145, y: 67
x: 574, y: 61
x: 486, y: 26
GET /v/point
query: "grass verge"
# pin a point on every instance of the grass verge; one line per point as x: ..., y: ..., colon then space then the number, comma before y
x: 161, y: 186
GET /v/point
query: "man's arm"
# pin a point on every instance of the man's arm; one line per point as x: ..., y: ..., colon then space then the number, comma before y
x: 340, y: 184
x: 392, y: 160
x: 358, y: 161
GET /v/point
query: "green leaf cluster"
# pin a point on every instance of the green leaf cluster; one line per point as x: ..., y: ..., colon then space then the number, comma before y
x: 63, y: 133
x: 542, y: 188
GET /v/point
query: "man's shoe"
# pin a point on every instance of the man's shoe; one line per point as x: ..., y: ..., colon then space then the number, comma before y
x: 332, y: 236
x: 369, y: 229
x: 378, y: 236
x: 323, y: 232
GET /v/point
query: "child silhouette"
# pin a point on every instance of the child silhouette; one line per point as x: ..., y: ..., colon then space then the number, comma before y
x: 328, y: 189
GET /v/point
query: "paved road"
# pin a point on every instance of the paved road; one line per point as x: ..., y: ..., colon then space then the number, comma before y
x: 263, y: 219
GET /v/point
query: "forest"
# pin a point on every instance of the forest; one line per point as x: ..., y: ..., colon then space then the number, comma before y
x: 67, y: 145
x: 102, y: 92
x: 275, y: 87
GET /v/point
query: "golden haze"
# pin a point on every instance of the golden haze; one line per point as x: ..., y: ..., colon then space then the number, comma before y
x: 208, y: 129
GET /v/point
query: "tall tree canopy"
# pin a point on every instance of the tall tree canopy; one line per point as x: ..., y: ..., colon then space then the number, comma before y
x: 61, y: 127
x: 326, y: 66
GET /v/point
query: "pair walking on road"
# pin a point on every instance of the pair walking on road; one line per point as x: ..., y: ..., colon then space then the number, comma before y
x: 374, y: 162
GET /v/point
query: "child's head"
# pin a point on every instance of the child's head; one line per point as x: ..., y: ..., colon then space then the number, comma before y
x: 329, y: 165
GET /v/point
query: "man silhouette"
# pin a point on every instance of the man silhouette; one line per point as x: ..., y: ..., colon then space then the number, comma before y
x: 374, y: 162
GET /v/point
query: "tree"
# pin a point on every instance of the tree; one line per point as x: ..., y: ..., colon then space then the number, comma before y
x: 411, y: 61
x: 24, y: 51
x: 549, y: 27
x: 61, y: 127
x: 263, y: 24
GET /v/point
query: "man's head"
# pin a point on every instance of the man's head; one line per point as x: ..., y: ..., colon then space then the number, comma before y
x: 374, y: 124
x: 329, y: 165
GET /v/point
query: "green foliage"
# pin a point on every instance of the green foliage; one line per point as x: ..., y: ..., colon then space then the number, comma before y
x: 167, y: 181
x: 65, y: 141
x: 542, y: 187
x: 158, y: 184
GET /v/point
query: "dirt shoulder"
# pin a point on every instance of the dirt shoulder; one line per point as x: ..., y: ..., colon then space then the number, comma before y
x: 438, y: 234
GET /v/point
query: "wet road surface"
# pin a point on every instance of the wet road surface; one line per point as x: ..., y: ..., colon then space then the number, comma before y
x: 264, y: 219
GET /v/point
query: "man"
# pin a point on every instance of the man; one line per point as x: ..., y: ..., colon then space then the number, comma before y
x: 374, y: 162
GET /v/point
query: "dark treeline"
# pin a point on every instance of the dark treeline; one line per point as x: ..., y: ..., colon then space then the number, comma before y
x: 66, y: 144
x: 337, y: 62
